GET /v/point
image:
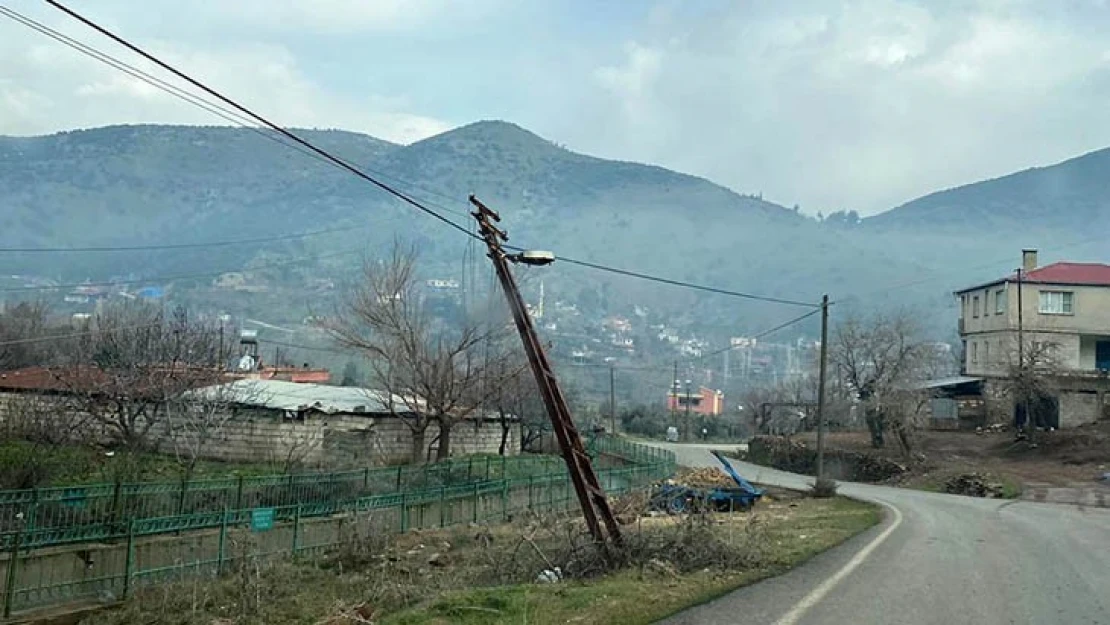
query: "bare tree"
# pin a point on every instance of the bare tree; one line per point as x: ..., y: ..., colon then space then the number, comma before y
x: 133, y: 363
x: 201, y: 416
x: 879, y: 359
x: 1031, y: 382
x: 20, y: 327
x: 42, y: 423
x: 434, y: 369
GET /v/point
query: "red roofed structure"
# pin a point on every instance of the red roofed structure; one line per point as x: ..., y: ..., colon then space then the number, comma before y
x: 1087, y: 274
x: 1053, y: 320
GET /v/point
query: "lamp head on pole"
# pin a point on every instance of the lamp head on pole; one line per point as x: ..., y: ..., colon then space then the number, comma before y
x: 533, y: 257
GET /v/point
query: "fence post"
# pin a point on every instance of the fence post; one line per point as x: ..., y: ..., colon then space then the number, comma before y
x: 129, y: 562
x: 115, y: 501
x: 487, y: 468
x: 469, y: 468
x: 475, y: 502
x: 222, y: 544
x: 296, y: 529
x: 530, y: 476
x: 399, y: 467
x: 239, y: 494
x: 181, y: 496
x: 13, y: 563
x: 404, y: 512
x: 504, y: 475
x: 504, y: 499
x: 366, y: 479
x: 442, y: 506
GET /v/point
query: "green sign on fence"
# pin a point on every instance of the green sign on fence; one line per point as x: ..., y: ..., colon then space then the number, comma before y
x: 262, y: 519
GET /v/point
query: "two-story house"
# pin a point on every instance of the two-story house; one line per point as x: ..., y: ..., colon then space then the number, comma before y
x: 1065, y: 322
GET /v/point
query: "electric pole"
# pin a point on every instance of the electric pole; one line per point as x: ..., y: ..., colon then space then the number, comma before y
x: 612, y: 399
x: 595, y: 507
x: 687, y: 425
x: 822, y: 366
x: 674, y: 392
x: 1023, y: 383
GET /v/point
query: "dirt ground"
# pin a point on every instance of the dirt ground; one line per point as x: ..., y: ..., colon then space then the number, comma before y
x: 1061, y: 458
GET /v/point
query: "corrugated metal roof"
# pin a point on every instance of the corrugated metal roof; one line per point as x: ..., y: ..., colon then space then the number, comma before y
x: 946, y: 382
x: 282, y: 395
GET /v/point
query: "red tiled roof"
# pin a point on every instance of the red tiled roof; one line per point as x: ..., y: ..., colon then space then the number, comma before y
x: 1071, y: 273
x: 87, y: 378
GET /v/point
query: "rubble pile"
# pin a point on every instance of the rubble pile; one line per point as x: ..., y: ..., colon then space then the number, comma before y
x: 788, y: 455
x: 974, y: 485
x: 707, y: 477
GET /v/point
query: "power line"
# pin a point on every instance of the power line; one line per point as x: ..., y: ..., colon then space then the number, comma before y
x: 259, y: 118
x: 55, y: 337
x: 760, y: 335
x: 305, y: 347
x: 170, y: 278
x: 683, y: 284
x: 173, y: 246
x: 193, y: 99
x: 314, y: 151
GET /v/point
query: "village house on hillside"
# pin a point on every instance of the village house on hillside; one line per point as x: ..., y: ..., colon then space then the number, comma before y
x: 1065, y: 321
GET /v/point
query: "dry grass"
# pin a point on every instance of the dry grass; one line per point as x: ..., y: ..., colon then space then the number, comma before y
x: 487, y: 574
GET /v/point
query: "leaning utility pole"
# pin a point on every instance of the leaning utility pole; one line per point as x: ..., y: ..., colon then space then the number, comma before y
x: 821, y: 387
x: 595, y: 507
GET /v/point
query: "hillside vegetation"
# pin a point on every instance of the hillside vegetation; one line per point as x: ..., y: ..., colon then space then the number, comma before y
x: 150, y: 185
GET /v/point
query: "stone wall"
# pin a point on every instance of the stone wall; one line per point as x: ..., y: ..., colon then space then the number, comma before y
x: 262, y: 435
x: 1078, y: 408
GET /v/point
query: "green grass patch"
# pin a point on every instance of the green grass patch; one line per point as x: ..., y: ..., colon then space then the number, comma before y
x: 24, y: 464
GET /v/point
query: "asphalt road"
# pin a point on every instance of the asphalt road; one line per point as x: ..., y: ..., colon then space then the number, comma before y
x: 942, y: 559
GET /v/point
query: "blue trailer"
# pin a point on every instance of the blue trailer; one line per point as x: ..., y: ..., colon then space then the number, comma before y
x: 679, y: 498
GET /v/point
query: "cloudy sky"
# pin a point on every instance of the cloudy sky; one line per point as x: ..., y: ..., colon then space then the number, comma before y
x: 859, y: 105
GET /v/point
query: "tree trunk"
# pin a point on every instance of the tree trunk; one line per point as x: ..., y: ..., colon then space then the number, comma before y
x: 444, y: 449
x: 504, y: 434
x: 418, y: 445
x: 874, y: 420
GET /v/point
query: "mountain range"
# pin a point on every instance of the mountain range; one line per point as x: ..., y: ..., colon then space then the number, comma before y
x: 148, y: 186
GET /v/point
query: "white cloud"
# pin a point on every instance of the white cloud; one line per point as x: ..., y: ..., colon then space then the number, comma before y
x: 337, y: 16
x: 51, y: 87
x: 863, y: 104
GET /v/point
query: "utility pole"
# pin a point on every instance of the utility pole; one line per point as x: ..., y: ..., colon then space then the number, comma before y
x: 595, y: 507
x: 612, y: 399
x: 1023, y: 382
x: 674, y: 392
x: 687, y: 425
x: 821, y: 387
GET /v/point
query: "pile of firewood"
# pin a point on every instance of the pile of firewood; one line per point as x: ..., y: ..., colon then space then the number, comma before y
x: 707, y: 477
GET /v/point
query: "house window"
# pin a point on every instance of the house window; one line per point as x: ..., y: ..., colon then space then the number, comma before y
x: 1056, y: 302
x: 974, y: 351
x: 987, y: 351
x: 999, y: 302
x: 975, y: 307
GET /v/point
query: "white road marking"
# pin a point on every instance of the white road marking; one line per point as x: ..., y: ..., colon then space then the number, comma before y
x: 817, y: 594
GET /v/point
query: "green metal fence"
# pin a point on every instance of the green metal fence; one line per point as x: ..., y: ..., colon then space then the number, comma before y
x: 80, y: 513
x: 283, y: 516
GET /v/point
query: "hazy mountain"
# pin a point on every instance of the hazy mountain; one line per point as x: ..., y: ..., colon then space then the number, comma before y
x: 152, y: 185
x: 1070, y: 196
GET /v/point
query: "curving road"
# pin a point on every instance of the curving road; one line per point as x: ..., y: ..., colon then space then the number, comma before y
x: 936, y: 559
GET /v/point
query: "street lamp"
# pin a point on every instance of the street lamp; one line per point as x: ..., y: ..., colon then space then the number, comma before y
x: 536, y: 258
